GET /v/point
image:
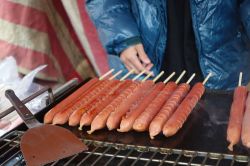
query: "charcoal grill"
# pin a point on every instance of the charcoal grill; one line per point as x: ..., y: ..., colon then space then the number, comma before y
x: 202, y: 141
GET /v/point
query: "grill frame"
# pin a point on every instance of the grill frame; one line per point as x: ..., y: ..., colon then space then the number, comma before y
x: 122, y: 154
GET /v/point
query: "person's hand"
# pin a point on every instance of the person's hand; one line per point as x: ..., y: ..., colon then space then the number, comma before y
x: 135, y: 58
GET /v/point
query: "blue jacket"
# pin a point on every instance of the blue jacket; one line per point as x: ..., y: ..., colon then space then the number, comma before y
x: 221, y: 27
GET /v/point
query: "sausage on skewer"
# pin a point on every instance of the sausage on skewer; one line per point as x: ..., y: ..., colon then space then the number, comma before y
x: 245, y: 135
x: 88, y: 116
x: 77, y: 95
x: 63, y: 116
x: 67, y: 102
x: 144, y: 119
x: 236, y: 115
x: 169, y: 107
x: 115, y: 117
x: 75, y: 117
x: 176, y: 121
x: 100, y: 120
x: 137, y: 108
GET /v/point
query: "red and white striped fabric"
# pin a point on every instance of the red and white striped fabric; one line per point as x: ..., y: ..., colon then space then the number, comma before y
x: 54, y: 32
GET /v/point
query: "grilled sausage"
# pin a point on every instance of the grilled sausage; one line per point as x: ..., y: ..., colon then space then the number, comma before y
x: 167, y: 110
x: 100, y: 120
x: 182, y: 112
x: 75, y: 117
x: 144, y: 119
x: 137, y: 108
x: 114, y: 118
x: 88, y: 116
x: 245, y: 135
x: 236, y: 116
x: 69, y: 101
x: 63, y: 116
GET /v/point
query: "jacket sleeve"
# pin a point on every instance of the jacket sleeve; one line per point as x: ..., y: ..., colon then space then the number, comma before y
x: 115, y: 24
x: 245, y: 15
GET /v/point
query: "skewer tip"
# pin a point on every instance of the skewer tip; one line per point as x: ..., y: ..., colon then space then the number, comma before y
x: 115, y: 75
x: 191, y: 78
x: 128, y: 74
x: 207, y: 78
x: 106, y: 74
x: 136, y: 77
x: 147, y: 77
x: 180, y: 77
x: 240, y: 79
x: 168, y: 78
x: 158, y: 76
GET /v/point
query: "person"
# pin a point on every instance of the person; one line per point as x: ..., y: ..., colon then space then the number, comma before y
x: 199, y: 36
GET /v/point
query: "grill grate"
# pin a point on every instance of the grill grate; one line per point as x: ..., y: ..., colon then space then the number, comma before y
x: 105, y: 153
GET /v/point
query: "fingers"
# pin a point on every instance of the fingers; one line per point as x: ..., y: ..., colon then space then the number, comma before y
x: 144, y: 58
x: 126, y: 55
x: 142, y: 55
x: 149, y: 66
x: 132, y: 59
x: 130, y: 67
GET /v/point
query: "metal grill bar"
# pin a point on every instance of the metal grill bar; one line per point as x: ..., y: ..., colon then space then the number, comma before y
x: 121, y: 154
x: 134, y: 158
x: 112, y: 157
x: 89, y: 154
x: 219, y: 160
x: 232, y: 163
x: 163, y: 160
x: 204, y: 161
x: 17, y: 156
x: 151, y: 158
x: 124, y: 158
x: 9, y: 150
x: 17, y: 163
x: 53, y: 164
x: 138, y: 158
x: 101, y: 156
x: 190, y: 161
x: 9, y: 142
x: 71, y: 159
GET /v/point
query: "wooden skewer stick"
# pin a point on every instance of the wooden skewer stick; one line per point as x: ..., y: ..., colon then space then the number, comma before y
x: 206, y: 79
x: 147, y: 77
x: 240, y: 79
x: 151, y: 74
x: 180, y: 77
x: 190, y: 79
x: 115, y: 75
x: 128, y: 74
x: 158, y: 76
x: 168, y: 78
x: 106, y: 74
x: 136, y: 77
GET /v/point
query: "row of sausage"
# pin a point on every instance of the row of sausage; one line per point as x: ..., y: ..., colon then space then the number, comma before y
x: 126, y: 105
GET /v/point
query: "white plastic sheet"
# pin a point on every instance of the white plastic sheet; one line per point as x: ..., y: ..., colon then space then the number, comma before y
x: 23, y: 87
